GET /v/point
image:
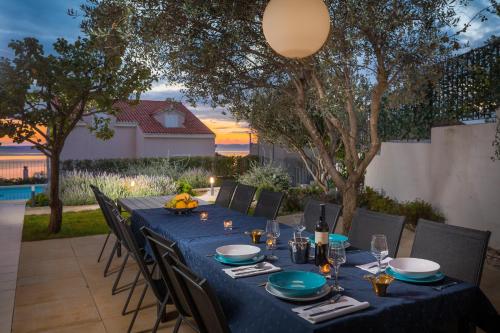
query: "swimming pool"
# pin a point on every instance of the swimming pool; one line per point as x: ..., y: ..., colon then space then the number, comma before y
x: 19, y: 192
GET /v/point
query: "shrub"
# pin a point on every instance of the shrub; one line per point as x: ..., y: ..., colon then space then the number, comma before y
x: 221, y: 166
x: 296, y: 198
x: 196, y: 177
x: 267, y: 177
x: 75, y: 189
x: 41, y: 200
x: 21, y: 181
x: 412, y: 210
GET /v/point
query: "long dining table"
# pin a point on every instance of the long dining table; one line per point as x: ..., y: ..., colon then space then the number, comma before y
x: 250, y: 308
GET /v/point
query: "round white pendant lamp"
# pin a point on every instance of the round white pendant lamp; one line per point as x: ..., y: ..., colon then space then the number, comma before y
x: 296, y: 28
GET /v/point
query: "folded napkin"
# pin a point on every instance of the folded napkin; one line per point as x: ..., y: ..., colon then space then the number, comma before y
x: 328, y: 311
x: 368, y: 267
x: 250, y: 270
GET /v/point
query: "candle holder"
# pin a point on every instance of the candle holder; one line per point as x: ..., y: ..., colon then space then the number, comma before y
x: 203, y: 216
x: 325, y: 269
x: 228, y: 225
x: 380, y: 283
x: 271, y: 245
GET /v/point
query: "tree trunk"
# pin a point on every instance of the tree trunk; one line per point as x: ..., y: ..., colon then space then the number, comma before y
x: 349, y: 205
x: 55, y: 203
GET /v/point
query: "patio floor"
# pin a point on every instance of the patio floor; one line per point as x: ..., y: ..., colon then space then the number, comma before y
x: 61, y: 288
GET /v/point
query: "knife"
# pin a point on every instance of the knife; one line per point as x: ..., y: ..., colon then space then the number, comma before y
x: 444, y: 286
x: 331, y: 310
x: 254, y: 271
x: 330, y: 301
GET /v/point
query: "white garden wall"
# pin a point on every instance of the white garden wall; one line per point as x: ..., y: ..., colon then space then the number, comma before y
x: 454, y: 172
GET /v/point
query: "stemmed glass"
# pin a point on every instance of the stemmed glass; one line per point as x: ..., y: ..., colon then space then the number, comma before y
x: 272, y: 232
x: 300, y: 226
x: 379, y: 249
x: 336, y: 257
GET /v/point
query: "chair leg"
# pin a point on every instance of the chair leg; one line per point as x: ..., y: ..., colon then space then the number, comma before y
x: 103, y: 247
x: 160, y: 315
x: 111, y: 256
x: 120, y: 272
x: 124, y: 311
x: 137, y: 308
x: 178, y: 323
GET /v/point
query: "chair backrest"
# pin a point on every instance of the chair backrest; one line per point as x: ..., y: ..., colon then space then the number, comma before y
x: 366, y: 223
x: 312, y: 211
x: 269, y: 204
x: 102, y: 199
x: 205, y: 307
x: 162, y: 248
x: 226, y: 192
x: 242, y: 198
x: 460, y: 251
x: 134, y: 249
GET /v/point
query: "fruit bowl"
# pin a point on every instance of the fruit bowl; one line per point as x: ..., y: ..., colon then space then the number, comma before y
x: 180, y: 211
x: 181, y: 204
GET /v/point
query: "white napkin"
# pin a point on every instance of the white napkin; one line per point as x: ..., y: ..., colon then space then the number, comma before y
x: 239, y: 272
x: 343, y: 301
x: 374, y: 269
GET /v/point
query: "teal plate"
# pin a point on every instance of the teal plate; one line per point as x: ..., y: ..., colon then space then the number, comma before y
x: 297, y: 283
x: 227, y: 261
x: 332, y: 238
x: 434, y: 278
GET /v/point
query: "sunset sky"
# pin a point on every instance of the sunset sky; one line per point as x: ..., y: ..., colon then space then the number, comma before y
x: 48, y: 20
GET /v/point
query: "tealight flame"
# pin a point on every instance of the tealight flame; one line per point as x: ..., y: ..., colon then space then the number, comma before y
x: 325, y: 269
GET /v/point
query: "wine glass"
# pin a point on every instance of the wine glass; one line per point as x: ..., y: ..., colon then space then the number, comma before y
x: 379, y: 249
x: 336, y: 257
x: 300, y: 226
x: 272, y: 232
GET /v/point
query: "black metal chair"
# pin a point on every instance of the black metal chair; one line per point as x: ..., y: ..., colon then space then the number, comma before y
x: 202, y: 301
x: 97, y: 194
x: 312, y: 211
x: 242, y: 199
x: 269, y: 204
x: 162, y: 248
x: 158, y: 286
x: 367, y: 223
x: 460, y: 251
x: 225, y: 194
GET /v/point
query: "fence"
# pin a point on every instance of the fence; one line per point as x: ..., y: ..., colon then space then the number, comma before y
x: 16, y: 168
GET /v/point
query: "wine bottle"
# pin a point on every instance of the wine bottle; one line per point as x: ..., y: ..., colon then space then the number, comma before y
x: 321, y: 240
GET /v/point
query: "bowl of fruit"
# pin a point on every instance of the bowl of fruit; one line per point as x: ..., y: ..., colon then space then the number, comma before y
x: 181, y: 204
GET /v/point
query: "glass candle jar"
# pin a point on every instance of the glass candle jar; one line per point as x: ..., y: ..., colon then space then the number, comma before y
x: 228, y: 225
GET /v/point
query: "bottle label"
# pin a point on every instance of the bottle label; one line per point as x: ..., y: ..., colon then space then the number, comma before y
x: 321, y: 237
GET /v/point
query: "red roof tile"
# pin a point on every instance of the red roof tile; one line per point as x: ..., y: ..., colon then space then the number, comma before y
x: 144, y: 113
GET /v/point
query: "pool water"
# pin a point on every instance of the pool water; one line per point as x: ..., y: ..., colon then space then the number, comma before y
x: 19, y: 192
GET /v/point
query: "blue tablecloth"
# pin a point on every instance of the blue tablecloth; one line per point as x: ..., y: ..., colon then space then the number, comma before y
x: 249, y: 308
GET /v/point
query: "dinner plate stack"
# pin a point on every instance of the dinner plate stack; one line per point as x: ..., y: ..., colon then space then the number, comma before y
x: 414, y: 270
x: 297, y: 285
x: 238, y: 254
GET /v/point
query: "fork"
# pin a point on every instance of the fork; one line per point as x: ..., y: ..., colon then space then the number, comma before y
x: 444, y: 286
x: 332, y: 300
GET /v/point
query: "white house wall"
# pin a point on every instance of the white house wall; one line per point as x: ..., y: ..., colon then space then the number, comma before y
x: 184, y: 145
x: 454, y: 172
x: 81, y: 144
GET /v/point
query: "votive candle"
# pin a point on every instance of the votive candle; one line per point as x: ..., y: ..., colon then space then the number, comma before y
x: 203, y: 216
x: 228, y: 225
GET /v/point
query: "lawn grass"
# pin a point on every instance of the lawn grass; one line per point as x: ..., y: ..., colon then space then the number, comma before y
x: 75, y: 224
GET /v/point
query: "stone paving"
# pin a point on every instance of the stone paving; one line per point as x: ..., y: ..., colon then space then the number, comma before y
x: 11, y: 225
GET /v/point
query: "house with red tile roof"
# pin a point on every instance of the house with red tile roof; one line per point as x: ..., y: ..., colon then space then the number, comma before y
x: 146, y: 129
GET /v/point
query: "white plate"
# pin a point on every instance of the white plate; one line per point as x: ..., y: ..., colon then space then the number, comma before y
x: 319, y: 294
x: 414, y: 267
x: 238, y: 252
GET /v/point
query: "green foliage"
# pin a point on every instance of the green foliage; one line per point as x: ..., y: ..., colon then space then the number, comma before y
x: 184, y: 187
x: 21, y: 181
x: 268, y: 176
x: 412, y: 210
x: 75, y: 224
x: 75, y: 189
x: 41, y: 200
x: 174, y: 167
x: 196, y: 177
x: 296, y: 198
